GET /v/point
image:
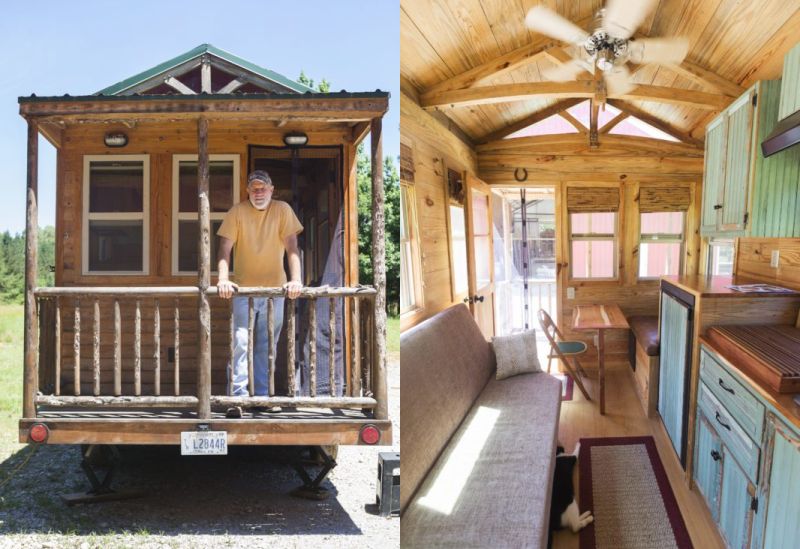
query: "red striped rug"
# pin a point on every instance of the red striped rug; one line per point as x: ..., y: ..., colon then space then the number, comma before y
x: 629, y: 496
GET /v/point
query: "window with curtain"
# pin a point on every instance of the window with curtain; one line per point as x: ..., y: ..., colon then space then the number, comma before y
x: 593, y: 232
x: 116, y: 198
x: 662, y: 234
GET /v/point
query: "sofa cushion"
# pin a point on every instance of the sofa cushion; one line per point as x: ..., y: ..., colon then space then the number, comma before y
x: 516, y: 354
x: 445, y: 365
x: 645, y: 330
x: 501, y: 474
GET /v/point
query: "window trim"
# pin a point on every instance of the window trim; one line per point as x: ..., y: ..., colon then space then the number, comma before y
x: 416, y: 256
x: 662, y: 238
x: 715, y: 242
x: 592, y: 237
x: 177, y: 216
x: 144, y: 216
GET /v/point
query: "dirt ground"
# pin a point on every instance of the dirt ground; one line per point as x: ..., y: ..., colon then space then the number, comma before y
x: 230, y: 501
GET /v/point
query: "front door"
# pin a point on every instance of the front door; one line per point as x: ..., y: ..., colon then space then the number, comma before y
x: 480, y: 255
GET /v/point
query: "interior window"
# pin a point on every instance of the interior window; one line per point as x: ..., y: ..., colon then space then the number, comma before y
x: 594, y: 245
x: 661, y: 244
x: 410, y: 279
x: 720, y: 256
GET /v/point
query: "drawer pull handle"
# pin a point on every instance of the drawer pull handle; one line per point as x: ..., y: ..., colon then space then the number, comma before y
x: 722, y: 384
x: 715, y: 455
x: 728, y: 427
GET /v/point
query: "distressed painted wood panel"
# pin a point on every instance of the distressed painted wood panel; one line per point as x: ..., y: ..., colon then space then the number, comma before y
x: 777, y: 181
x: 782, y: 529
x: 714, y: 175
x: 734, y: 505
x: 707, y: 470
x: 674, y: 323
x: 790, y: 91
x: 737, y: 163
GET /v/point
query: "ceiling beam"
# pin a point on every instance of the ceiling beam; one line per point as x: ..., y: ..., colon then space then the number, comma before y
x: 505, y: 63
x: 613, y: 122
x: 655, y: 122
x: 538, y: 116
x: 504, y: 93
x: 707, y: 79
x: 574, y: 121
x: 501, y: 65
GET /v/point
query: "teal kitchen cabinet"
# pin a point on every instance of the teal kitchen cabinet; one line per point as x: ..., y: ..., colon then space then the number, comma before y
x: 744, y: 194
x: 782, y: 486
x: 708, y: 464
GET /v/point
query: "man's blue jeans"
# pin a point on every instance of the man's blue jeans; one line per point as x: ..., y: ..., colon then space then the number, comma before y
x: 260, y: 349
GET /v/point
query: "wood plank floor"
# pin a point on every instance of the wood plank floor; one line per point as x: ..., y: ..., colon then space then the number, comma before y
x: 625, y: 417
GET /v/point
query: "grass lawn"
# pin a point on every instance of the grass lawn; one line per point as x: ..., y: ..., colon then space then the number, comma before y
x: 11, y: 346
x: 393, y: 334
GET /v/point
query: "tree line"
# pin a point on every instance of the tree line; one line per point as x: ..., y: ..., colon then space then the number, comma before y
x: 12, y: 263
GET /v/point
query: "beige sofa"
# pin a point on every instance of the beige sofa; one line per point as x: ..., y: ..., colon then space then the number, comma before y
x: 491, y: 487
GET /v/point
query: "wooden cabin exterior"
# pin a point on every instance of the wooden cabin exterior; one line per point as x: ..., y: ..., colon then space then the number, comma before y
x: 132, y: 344
x: 482, y: 129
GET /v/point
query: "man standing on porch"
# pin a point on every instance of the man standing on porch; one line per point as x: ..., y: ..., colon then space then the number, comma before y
x: 261, y: 231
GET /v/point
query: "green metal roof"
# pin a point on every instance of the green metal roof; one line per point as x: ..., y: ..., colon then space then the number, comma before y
x: 197, y: 52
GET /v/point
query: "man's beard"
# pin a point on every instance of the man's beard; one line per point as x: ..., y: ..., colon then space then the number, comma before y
x: 260, y: 205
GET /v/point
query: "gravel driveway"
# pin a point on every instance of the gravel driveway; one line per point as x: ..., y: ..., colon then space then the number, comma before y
x: 234, y: 501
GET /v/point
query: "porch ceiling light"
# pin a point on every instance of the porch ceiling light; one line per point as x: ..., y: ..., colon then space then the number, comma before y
x: 115, y: 139
x: 295, y: 139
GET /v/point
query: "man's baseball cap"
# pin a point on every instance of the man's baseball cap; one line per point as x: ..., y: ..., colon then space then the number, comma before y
x: 259, y: 175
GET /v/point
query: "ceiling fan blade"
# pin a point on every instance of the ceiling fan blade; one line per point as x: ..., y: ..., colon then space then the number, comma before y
x: 564, y: 72
x: 618, y: 81
x: 623, y: 17
x: 549, y: 23
x: 666, y: 51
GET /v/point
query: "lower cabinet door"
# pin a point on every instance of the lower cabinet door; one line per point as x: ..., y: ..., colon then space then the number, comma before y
x: 708, y: 464
x: 782, y: 528
x: 735, y: 501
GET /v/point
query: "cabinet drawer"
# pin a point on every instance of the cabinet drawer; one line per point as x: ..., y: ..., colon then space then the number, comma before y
x: 739, y: 402
x: 730, y: 432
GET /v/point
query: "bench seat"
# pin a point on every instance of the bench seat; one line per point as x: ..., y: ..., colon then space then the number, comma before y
x: 644, y: 355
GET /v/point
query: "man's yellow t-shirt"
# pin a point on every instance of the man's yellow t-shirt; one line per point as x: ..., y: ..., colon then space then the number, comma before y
x: 258, y: 237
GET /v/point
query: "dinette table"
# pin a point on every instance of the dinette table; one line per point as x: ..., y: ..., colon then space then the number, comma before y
x: 600, y: 318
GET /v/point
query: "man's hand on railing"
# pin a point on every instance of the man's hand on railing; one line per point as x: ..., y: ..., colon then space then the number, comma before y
x: 293, y: 288
x: 226, y: 289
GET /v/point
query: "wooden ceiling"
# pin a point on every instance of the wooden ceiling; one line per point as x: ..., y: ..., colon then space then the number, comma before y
x: 452, y: 51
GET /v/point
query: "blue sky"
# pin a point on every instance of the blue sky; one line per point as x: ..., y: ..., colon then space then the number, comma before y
x: 53, y: 48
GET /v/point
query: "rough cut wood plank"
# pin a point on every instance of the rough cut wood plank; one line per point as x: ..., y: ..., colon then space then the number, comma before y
x: 157, y: 347
x: 251, y: 319
x: 271, y: 343
x: 117, y: 350
x: 312, y: 342
x: 137, y: 350
x: 707, y: 79
x: 486, y: 95
x: 96, y: 348
x: 76, y: 348
x: 204, y: 271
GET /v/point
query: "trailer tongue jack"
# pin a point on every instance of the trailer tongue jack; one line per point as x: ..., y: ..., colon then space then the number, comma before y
x: 94, y: 458
x: 311, y: 489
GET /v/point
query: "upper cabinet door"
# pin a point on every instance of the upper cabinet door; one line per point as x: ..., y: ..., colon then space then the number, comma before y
x: 714, y: 173
x: 790, y: 86
x: 737, y: 163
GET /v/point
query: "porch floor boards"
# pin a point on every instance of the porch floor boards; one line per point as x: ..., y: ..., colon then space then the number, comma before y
x: 624, y: 417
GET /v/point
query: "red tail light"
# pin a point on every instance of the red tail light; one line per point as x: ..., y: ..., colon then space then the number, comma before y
x: 39, y: 432
x: 370, y: 434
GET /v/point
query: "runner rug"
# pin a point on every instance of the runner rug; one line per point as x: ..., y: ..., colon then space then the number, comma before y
x: 623, y: 483
x: 566, y: 385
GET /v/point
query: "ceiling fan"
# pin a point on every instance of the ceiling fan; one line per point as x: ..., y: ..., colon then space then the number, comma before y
x: 605, y: 51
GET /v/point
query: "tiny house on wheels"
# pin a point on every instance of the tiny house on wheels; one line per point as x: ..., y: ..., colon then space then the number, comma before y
x: 132, y: 344
x: 622, y: 177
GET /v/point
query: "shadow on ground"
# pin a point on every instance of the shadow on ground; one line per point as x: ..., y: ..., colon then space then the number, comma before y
x: 246, y: 492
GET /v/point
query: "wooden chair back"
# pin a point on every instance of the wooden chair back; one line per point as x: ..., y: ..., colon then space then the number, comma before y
x: 549, y: 328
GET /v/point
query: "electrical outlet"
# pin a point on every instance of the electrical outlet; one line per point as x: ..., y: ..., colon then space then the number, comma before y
x: 774, y: 258
x: 570, y: 293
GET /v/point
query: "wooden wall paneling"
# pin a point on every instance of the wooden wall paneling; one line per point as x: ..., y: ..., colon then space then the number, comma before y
x: 753, y: 260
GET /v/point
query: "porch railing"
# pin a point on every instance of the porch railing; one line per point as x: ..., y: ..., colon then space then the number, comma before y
x: 55, y: 305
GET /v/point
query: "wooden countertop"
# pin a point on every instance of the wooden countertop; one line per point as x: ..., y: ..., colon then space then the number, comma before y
x: 783, y: 403
x: 715, y: 286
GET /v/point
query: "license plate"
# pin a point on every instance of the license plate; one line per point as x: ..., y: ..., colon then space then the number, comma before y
x: 204, y: 443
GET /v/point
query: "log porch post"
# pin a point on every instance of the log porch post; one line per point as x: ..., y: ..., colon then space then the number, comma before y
x: 31, y: 253
x: 379, y: 269
x: 204, y: 275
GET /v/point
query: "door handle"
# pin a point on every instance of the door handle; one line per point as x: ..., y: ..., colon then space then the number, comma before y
x: 728, y: 427
x: 477, y: 298
x: 715, y: 455
x: 722, y: 384
x: 467, y: 300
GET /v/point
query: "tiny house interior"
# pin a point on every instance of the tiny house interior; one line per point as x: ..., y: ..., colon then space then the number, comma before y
x: 534, y: 180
